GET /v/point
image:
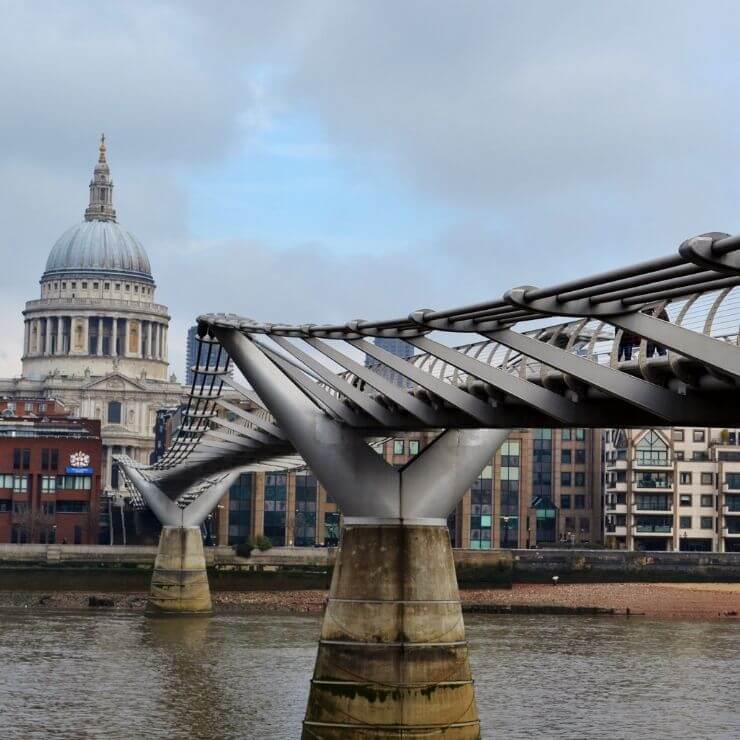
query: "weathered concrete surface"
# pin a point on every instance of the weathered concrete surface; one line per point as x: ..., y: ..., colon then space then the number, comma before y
x: 179, y: 581
x: 392, y: 659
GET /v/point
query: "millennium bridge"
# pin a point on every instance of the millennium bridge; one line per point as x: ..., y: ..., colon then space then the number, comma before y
x: 652, y: 344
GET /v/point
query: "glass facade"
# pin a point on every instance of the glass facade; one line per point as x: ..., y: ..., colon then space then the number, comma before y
x: 509, y: 515
x: 276, y: 494
x: 240, y: 509
x: 481, y: 511
x: 541, y: 464
x: 306, y: 490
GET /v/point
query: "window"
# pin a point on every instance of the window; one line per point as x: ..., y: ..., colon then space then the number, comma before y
x: 698, y: 435
x: 118, y: 286
x: 48, y: 483
x: 706, y: 522
x: 679, y: 454
x: 20, y: 484
x: 565, y: 478
x: 565, y: 457
x: 700, y: 455
x: 106, y: 286
x: 481, y: 511
x: 651, y: 450
x: 707, y: 499
x: 21, y: 459
x: 585, y: 524
x: 579, y: 502
x: 71, y: 507
x: 684, y: 478
x: 136, y: 288
x: 128, y: 288
x: 566, y: 435
x: 565, y: 501
x: 580, y: 457
x: 306, y: 488
x: 413, y: 447
x: 44, y: 459
x: 677, y: 435
x: 580, y: 479
x: 73, y: 285
x: 276, y: 486
x: 580, y: 435
x: 707, y: 479
x: 684, y: 499
x: 95, y: 286
x: 398, y: 447
x: 84, y: 285
x: 732, y: 480
x: 74, y: 482
x: 684, y: 522
x: 114, y: 412
x: 54, y: 459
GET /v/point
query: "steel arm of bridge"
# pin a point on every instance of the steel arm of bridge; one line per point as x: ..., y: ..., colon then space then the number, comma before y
x: 706, y: 350
x: 359, y: 480
x: 166, y: 510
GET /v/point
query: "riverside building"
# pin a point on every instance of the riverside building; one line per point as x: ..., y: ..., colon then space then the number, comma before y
x: 542, y: 488
x: 673, y: 489
x: 96, y: 339
x: 50, y: 479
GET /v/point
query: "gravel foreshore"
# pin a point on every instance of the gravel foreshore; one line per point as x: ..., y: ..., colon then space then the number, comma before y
x: 675, y: 600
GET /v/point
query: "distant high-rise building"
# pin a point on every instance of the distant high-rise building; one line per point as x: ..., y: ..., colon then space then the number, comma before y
x: 191, y: 356
x: 396, y: 347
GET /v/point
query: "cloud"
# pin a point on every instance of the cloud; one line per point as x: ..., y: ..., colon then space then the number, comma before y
x: 558, y: 138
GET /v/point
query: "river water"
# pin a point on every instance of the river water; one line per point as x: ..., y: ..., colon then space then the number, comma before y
x: 124, y: 677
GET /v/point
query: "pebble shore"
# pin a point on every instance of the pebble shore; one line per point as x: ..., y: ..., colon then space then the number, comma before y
x: 680, y: 600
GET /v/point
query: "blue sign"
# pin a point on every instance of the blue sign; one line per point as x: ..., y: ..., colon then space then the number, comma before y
x: 79, y: 471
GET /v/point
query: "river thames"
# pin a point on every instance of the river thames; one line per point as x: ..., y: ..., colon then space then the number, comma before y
x: 122, y: 676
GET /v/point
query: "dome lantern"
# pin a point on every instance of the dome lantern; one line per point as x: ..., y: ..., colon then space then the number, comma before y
x: 101, y: 190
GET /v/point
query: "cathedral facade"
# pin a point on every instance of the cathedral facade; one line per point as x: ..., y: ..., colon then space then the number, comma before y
x: 96, y: 340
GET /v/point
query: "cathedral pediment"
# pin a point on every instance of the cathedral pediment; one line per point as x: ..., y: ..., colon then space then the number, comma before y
x: 114, y: 382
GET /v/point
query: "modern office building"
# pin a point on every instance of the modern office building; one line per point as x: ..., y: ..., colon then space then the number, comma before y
x: 50, y: 474
x: 191, y: 357
x: 673, y: 489
x: 396, y: 347
x: 542, y: 488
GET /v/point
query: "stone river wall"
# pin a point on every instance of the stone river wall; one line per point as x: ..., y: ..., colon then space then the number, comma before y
x: 115, y: 568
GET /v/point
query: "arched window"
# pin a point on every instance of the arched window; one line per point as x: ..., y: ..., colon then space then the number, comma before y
x: 651, y: 450
x: 114, y: 412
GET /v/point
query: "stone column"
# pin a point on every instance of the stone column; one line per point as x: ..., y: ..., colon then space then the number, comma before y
x: 114, y: 338
x: 149, y: 326
x: 60, y: 335
x: 47, y: 336
x: 392, y: 659
x: 26, y: 337
x: 179, y: 580
x: 126, y: 332
x: 99, y: 348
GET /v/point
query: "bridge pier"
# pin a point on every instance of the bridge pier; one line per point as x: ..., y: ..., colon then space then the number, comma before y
x: 392, y: 659
x: 179, y: 580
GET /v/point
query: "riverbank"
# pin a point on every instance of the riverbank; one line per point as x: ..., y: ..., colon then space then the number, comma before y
x: 698, y: 601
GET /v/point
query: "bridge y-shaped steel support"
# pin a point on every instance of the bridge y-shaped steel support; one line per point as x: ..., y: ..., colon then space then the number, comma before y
x: 179, y: 580
x: 392, y: 655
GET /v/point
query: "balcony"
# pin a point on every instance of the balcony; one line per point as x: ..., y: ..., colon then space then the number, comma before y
x: 651, y: 464
x: 616, y: 465
x: 733, y: 533
x: 649, y: 484
x: 732, y: 509
x: 659, y: 530
x: 617, y: 530
x: 616, y: 508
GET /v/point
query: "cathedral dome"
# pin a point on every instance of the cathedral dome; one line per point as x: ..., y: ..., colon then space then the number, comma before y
x: 98, y: 247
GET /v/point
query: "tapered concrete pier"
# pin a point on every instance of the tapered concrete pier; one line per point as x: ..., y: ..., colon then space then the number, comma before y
x: 179, y: 580
x: 392, y: 659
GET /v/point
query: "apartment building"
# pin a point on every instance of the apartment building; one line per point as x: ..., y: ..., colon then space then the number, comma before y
x: 673, y: 489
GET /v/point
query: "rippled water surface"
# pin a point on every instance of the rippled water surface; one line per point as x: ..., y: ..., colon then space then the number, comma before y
x: 123, y: 677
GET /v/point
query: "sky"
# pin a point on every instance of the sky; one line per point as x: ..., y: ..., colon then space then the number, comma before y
x: 329, y: 160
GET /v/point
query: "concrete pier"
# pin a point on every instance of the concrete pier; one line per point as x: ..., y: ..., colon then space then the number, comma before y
x: 392, y: 659
x: 179, y: 581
